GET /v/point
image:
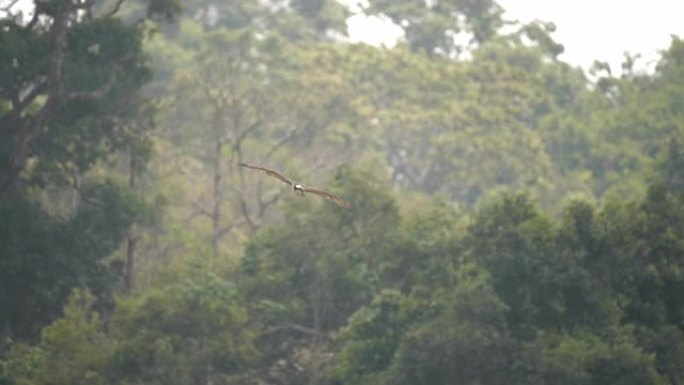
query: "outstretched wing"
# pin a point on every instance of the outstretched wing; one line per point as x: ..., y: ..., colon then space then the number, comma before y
x: 332, y: 198
x: 268, y: 172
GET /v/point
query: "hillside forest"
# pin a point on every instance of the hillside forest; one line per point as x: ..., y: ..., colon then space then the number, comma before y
x: 515, y: 219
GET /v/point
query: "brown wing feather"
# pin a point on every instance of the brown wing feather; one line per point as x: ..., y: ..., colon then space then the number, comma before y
x: 335, y: 199
x: 269, y: 172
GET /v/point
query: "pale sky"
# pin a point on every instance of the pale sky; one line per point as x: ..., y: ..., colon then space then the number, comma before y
x: 604, y: 29
x: 588, y: 29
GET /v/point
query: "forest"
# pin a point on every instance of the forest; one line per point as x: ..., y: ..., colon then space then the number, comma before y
x: 516, y: 219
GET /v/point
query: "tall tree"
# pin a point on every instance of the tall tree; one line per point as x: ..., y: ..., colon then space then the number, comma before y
x: 62, y: 74
x: 70, y: 87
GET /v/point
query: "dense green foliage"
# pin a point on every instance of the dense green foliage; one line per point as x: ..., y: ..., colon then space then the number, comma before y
x: 515, y: 221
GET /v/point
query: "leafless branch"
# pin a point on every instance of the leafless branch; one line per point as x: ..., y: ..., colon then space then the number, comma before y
x: 116, y: 8
x: 34, y: 20
x: 282, y: 141
x: 31, y: 96
x: 244, y: 209
x: 225, y: 138
x: 9, y: 6
x: 231, y: 226
x: 265, y: 204
x: 199, y: 210
x: 245, y: 214
x: 246, y: 132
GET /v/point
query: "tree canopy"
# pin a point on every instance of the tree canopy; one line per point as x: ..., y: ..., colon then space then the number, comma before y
x: 515, y: 220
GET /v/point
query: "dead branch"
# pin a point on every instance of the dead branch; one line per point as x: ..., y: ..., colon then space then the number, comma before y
x: 8, y: 7
x: 245, y: 214
x: 283, y: 140
x: 116, y: 8
x: 231, y: 227
x: 200, y: 210
x: 265, y: 204
x: 34, y: 20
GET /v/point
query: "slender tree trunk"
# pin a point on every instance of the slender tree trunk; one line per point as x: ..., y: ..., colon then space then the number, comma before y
x: 76, y: 193
x: 218, y: 197
x: 131, y: 256
x: 132, y: 241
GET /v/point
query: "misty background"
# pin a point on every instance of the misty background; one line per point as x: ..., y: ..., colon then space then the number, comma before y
x: 518, y: 204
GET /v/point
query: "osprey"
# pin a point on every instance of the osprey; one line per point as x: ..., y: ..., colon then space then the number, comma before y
x: 299, y: 189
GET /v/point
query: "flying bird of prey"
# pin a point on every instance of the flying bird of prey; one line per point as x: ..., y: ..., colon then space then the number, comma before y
x: 300, y: 189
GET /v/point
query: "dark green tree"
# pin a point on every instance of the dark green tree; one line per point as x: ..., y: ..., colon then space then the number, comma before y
x: 468, y: 343
x: 65, y: 77
x: 70, y: 91
x: 43, y: 257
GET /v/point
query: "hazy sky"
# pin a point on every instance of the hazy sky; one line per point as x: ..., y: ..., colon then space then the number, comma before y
x: 604, y: 29
x: 589, y: 29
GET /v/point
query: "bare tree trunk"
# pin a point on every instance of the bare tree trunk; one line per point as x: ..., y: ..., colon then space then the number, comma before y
x: 132, y: 241
x: 131, y: 254
x: 76, y: 193
x: 218, y: 197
